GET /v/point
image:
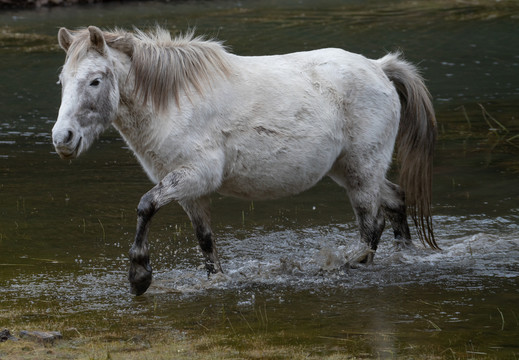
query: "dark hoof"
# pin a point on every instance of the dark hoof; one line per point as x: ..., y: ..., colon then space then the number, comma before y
x: 402, y: 244
x: 212, y: 269
x: 368, y: 259
x: 140, y: 278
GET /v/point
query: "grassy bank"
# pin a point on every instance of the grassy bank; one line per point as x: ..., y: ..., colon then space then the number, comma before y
x: 156, y: 347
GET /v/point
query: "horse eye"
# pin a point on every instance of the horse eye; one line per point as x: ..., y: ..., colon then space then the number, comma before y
x: 95, y: 82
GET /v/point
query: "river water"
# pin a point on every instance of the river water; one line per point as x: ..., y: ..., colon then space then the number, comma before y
x: 66, y: 227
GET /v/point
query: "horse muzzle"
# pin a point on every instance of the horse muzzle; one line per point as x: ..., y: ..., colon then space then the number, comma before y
x: 67, y: 143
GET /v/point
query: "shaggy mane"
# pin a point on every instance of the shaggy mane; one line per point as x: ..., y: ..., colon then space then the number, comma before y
x: 162, y: 67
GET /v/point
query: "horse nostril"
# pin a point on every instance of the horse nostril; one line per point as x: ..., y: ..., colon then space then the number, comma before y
x: 70, y: 136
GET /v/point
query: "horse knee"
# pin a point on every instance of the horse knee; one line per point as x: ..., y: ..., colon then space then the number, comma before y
x: 146, y: 208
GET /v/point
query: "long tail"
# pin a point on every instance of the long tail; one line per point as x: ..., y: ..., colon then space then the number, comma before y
x: 415, y: 141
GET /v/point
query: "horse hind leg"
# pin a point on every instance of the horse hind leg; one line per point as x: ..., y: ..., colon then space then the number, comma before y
x: 393, y: 204
x: 371, y: 224
x: 363, y: 190
x: 198, y: 212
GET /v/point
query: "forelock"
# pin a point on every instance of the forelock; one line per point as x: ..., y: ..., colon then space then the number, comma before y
x: 78, y: 49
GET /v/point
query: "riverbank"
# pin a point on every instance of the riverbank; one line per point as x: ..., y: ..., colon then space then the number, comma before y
x: 200, y: 345
x: 160, y: 346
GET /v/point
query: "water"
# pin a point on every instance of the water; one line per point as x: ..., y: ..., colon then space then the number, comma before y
x: 66, y: 227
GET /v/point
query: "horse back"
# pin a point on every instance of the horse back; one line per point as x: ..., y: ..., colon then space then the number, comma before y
x: 293, y: 115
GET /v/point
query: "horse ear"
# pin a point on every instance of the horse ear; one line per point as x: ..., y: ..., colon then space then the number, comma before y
x: 97, y: 39
x: 65, y: 38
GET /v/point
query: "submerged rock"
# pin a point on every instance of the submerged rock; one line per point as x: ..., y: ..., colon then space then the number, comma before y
x: 44, y: 337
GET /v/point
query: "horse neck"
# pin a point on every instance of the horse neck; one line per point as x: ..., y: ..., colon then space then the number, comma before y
x: 133, y: 120
x: 142, y: 125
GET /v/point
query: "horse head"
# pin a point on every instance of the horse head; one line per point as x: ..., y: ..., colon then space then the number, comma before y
x: 90, y: 92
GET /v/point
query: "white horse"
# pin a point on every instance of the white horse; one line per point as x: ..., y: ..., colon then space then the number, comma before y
x: 202, y: 120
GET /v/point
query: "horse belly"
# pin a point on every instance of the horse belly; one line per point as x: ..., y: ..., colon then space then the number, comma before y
x: 269, y: 183
x: 268, y: 172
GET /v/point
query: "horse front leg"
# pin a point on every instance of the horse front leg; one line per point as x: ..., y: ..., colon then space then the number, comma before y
x: 199, y: 214
x: 140, y: 273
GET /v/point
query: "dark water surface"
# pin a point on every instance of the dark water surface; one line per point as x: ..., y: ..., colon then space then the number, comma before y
x: 66, y: 227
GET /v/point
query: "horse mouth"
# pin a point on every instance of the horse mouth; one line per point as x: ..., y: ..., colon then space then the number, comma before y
x: 67, y: 153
